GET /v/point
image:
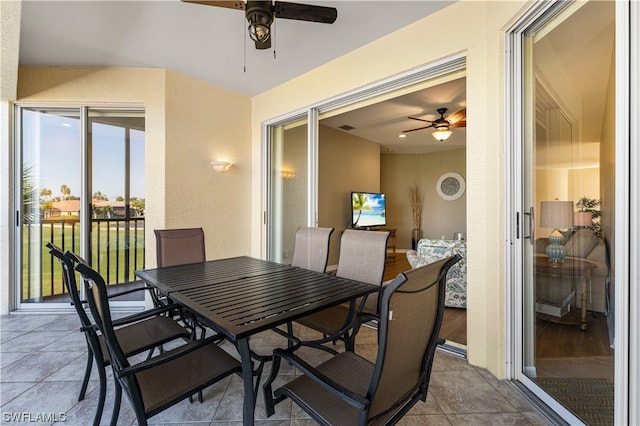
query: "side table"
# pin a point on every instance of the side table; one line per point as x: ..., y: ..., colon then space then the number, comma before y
x: 573, y: 268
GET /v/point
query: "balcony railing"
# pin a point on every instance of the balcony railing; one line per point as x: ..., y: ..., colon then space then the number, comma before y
x: 116, y: 251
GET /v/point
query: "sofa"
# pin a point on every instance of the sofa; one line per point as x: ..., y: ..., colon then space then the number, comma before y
x: 428, y: 251
x: 584, y: 244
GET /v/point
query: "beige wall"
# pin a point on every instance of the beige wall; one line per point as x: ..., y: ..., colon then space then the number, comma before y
x: 347, y: 163
x: 189, y: 123
x: 476, y: 29
x: 439, y: 217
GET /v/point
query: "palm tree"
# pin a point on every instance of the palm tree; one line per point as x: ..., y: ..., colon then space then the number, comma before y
x: 29, y: 192
x: 100, y: 196
x: 359, y: 202
x: 65, y: 191
x: 45, y: 192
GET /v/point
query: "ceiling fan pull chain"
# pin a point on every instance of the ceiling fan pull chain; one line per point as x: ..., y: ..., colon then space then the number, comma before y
x: 274, y: 34
x: 244, y: 47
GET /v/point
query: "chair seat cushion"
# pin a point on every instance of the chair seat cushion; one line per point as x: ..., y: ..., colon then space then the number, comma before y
x: 328, y: 321
x: 161, y: 386
x: 141, y: 336
x: 348, y: 370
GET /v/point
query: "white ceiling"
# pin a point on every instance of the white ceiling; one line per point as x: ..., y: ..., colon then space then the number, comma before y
x: 209, y: 43
x: 383, y: 122
x: 205, y: 42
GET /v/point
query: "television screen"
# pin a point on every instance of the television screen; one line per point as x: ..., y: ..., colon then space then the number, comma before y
x: 368, y: 209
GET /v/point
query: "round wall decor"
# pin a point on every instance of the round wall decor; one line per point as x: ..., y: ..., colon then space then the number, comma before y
x: 450, y: 186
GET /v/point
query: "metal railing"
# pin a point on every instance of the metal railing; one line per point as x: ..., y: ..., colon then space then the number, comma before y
x: 116, y: 251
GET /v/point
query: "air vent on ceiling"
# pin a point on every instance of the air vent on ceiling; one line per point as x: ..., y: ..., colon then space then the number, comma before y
x: 346, y: 127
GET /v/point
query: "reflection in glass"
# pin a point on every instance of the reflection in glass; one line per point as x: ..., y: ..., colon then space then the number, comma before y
x: 569, y: 330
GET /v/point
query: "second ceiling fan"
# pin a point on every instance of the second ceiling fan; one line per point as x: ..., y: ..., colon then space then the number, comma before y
x: 260, y: 15
x: 443, y: 125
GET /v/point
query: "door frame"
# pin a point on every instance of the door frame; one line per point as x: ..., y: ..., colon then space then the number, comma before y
x: 627, y: 93
x: 85, y: 214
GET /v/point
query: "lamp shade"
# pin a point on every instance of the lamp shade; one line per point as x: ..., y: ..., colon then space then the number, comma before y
x: 556, y: 214
x: 582, y: 219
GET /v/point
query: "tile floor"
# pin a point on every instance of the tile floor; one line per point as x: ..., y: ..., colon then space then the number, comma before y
x: 42, y: 361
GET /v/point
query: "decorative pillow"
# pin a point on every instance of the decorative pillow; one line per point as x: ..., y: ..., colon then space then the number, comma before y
x: 581, y: 244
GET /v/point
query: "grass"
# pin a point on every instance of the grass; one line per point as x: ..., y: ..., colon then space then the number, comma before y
x: 42, y: 274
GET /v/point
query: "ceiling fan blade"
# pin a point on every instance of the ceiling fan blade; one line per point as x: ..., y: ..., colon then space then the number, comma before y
x: 239, y: 5
x: 457, y: 116
x: 461, y: 123
x: 419, y: 128
x: 305, y: 12
x: 421, y: 119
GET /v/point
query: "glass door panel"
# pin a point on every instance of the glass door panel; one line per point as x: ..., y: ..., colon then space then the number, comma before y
x: 117, y: 185
x: 568, y: 103
x: 288, y: 194
x: 50, y: 205
x: 90, y: 204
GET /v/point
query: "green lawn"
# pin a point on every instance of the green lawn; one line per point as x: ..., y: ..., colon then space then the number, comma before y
x: 108, y: 248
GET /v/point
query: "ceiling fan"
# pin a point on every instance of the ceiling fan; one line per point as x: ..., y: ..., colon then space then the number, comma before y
x: 443, y: 125
x: 261, y: 14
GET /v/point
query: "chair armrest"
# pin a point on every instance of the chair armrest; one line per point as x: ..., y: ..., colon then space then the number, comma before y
x: 131, y: 290
x: 146, y: 314
x: 168, y: 356
x: 338, y: 390
x: 366, y: 317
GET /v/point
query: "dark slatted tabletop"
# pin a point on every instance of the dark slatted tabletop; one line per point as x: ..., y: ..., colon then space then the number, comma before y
x: 242, y: 296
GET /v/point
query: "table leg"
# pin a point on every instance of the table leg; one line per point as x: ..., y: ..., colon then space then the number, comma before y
x: 247, y: 377
x: 583, y: 314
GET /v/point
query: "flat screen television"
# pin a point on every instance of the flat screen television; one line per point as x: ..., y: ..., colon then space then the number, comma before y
x: 368, y: 209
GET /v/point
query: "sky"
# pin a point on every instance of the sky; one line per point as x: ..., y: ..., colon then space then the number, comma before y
x: 52, y: 144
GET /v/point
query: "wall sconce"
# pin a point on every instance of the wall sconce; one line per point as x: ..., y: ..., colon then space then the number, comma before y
x: 221, y: 166
x: 287, y: 174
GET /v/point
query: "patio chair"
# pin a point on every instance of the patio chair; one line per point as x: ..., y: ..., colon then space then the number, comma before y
x: 350, y: 390
x: 176, y: 247
x: 362, y: 258
x: 311, y: 248
x: 139, y: 333
x: 179, y: 246
x: 157, y: 383
x: 310, y: 251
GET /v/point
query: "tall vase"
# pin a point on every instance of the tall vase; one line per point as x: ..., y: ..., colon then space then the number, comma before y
x: 416, y: 235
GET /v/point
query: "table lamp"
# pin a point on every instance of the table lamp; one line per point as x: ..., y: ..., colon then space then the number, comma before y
x: 582, y: 219
x: 556, y: 215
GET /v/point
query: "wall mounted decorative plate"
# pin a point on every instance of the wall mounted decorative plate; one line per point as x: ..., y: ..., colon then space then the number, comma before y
x: 450, y: 186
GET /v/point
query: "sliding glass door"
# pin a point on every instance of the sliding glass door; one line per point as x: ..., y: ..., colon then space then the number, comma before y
x: 50, y: 207
x: 288, y: 183
x: 568, y: 196
x: 81, y: 180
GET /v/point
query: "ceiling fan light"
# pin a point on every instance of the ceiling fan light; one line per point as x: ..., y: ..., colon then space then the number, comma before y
x: 259, y: 24
x: 259, y: 32
x: 442, y: 134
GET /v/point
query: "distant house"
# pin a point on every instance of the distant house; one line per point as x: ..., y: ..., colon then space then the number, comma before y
x: 102, y: 209
x: 64, y: 208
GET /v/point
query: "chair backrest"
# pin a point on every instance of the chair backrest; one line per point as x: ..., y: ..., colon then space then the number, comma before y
x: 179, y: 246
x: 311, y: 248
x: 98, y: 301
x: 363, y: 255
x: 412, y: 307
x: 69, y: 278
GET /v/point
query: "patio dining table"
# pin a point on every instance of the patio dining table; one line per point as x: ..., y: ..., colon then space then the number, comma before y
x: 243, y: 296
